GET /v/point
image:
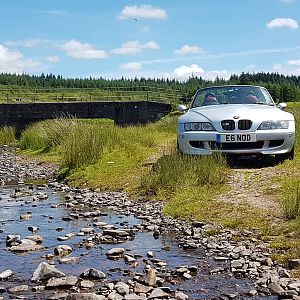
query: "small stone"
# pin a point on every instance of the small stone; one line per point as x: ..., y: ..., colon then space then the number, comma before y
x: 25, y: 217
x: 85, y: 296
x: 68, y: 281
x: 87, y: 284
x: 62, y: 250
x: 140, y: 288
x: 6, y: 274
x: 181, y: 296
x: 19, y: 289
x: 45, y: 271
x: 33, y: 229
x: 293, y: 263
x: 158, y: 293
x: 151, y: 278
x: 275, y: 288
x: 92, y: 273
x: 122, y: 288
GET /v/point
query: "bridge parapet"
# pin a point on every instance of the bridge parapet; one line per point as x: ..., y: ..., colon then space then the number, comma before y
x: 123, y: 113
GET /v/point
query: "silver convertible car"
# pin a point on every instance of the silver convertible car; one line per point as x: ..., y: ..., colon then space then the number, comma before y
x: 236, y: 119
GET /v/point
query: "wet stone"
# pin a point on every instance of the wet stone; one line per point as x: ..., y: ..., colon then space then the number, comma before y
x: 6, y: 274
x: 65, y: 282
x: 19, y: 289
x: 44, y: 271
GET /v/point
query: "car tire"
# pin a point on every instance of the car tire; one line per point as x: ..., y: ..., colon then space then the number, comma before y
x: 287, y: 156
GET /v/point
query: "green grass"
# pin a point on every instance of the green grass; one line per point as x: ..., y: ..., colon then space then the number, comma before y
x: 98, y: 152
x: 143, y: 160
x: 176, y: 171
x: 7, y: 136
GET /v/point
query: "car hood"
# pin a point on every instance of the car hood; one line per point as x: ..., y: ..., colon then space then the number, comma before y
x: 216, y: 113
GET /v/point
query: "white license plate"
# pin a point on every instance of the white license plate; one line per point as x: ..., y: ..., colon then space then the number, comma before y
x: 236, y: 138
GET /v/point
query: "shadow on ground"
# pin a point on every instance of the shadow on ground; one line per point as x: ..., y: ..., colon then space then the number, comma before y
x: 251, y: 162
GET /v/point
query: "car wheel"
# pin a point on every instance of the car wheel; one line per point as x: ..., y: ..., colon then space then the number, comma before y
x: 287, y: 156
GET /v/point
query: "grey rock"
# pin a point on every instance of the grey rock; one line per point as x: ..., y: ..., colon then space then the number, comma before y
x: 151, y: 278
x: 6, y: 274
x: 294, y: 263
x: 114, y: 296
x: 134, y: 297
x: 275, y: 288
x: 115, y: 252
x: 158, y: 293
x: 33, y: 229
x: 122, y: 288
x: 181, y: 296
x: 116, y: 233
x: 18, y: 289
x: 62, y: 250
x: 45, y: 271
x: 140, y: 288
x: 85, y: 296
x: 87, y: 284
x: 65, y: 282
x: 92, y: 273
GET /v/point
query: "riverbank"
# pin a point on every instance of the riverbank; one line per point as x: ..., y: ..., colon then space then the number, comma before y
x: 111, y: 247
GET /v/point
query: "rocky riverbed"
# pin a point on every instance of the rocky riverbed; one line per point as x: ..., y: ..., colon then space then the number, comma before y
x: 59, y: 242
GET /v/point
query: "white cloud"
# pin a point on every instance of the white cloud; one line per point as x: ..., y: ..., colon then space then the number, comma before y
x: 277, y: 67
x: 53, y: 59
x: 52, y: 12
x: 28, y: 43
x: 77, y: 49
x: 294, y: 62
x: 142, y: 12
x: 132, y: 66
x: 134, y: 47
x: 283, y: 22
x: 212, y: 75
x: 186, y: 49
x: 250, y: 67
x: 286, y: 1
x: 13, y: 61
x: 184, y: 72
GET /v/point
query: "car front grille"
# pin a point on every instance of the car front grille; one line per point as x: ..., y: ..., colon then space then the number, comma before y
x: 236, y: 146
x: 228, y: 124
x: 244, y: 124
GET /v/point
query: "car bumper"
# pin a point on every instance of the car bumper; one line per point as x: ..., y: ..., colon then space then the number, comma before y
x: 266, y: 143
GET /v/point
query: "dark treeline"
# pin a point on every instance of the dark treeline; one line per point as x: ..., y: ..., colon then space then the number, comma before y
x: 281, y: 87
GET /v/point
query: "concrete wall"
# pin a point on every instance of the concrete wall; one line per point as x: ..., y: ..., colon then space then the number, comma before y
x: 123, y: 113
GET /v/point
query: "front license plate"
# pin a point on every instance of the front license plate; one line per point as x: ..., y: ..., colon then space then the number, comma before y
x: 236, y: 138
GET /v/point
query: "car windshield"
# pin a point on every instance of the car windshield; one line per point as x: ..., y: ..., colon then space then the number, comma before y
x: 232, y: 95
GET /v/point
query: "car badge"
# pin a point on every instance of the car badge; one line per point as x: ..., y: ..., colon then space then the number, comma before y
x: 235, y: 117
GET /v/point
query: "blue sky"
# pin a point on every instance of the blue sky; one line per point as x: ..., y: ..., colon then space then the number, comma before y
x: 161, y: 38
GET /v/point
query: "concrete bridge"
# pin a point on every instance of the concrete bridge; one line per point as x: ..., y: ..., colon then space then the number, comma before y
x: 20, y: 115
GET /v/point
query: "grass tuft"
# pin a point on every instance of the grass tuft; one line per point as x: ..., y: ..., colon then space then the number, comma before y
x: 291, y: 204
x: 7, y: 135
x: 172, y: 172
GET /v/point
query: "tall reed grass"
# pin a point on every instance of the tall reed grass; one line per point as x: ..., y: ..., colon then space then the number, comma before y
x: 82, y: 142
x: 7, y: 135
x: 291, y: 204
x: 177, y: 171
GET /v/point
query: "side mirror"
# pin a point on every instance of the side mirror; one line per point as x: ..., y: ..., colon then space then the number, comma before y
x: 181, y: 107
x: 282, y: 105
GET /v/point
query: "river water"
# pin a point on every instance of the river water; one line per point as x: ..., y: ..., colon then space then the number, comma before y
x: 50, y: 216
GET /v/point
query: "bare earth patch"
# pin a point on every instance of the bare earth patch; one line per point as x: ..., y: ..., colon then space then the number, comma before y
x: 253, y: 186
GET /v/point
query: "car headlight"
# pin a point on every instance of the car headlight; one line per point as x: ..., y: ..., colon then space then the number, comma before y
x: 266, y: 125
x: 199, y: 126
